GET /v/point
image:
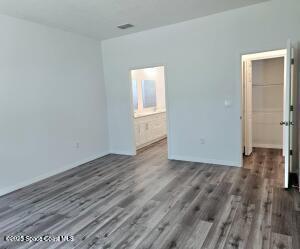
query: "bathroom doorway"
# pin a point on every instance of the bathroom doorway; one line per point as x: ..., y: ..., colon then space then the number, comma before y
x: 149, y: 109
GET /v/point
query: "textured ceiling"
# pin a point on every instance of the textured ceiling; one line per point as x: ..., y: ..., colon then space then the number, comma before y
x: 99, y: 18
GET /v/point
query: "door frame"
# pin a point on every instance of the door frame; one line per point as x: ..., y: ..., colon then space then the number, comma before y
x: 247, y: 111
x: 166, y: 100
x: 265, y: 54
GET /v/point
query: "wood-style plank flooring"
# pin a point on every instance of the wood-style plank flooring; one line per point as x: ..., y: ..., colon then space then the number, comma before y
x: 147, y: 201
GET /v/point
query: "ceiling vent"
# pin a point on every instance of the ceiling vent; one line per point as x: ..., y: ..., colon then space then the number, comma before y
x: 126, y: 26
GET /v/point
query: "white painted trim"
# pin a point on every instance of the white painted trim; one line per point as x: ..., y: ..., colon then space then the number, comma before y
x: 266, y: 55
x: 151, y: 142
x: 26, y: 183
x: 123, y: 152
x: 269, y: 146
x: 213, y: 162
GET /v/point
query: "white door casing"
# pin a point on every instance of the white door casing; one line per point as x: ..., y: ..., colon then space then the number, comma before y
x: 248, y: 106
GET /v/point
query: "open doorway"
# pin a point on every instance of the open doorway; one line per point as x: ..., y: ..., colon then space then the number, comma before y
x: 267, y: 117
x: 149, y: 106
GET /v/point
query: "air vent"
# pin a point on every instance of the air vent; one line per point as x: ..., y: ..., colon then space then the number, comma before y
x: 125, y: 26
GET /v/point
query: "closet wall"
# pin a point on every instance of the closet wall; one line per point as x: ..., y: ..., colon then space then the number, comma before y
x: 268, y: 82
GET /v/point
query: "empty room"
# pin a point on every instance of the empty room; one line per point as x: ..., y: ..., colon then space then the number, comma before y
x: 131, y: 124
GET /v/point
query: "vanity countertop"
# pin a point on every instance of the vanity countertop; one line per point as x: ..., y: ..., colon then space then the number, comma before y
x: 143, y: 114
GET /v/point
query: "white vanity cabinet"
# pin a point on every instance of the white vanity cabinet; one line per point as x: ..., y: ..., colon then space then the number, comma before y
x: 150, y: 128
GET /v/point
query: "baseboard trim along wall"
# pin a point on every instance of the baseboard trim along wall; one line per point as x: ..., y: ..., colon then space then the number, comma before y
x: 73, y: 165
x: 268, y: 146
x: 49, y: 174
x: 205, y: 160
x: 151, y: 142
x: 124, y: 153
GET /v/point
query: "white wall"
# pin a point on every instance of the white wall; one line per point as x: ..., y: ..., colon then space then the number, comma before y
x: 202, y: 59
x: 267, y: 94
x: 52, y: 96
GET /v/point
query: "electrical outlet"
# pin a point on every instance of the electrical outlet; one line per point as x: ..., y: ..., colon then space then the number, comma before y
x: 77, y: 145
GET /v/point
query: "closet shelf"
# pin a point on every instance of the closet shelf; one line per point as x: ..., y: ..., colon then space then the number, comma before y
x: 267, y: 84
x: 267, y: 111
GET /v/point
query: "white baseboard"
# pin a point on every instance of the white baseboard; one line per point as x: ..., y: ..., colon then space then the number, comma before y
x: 151, y: 142
x: 268, y: 146
x: 123, y: 152
x: 214, y: 162
x: 23, y: 184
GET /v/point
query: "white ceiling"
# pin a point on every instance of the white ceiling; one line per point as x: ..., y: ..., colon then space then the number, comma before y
x: 99, y: 18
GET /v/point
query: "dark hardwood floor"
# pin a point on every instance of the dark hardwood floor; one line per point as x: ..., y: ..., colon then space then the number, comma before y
x: 147, y: 201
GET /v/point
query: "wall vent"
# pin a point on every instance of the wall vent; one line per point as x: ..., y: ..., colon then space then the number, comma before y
x: 125, y: 26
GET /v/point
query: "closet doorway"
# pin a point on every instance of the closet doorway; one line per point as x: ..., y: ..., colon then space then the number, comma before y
x: 267, y: 117
x: 149, y: 106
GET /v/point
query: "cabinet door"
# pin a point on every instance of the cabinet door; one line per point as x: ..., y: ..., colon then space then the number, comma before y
x: 137, y: 134
x: 150, y: 128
